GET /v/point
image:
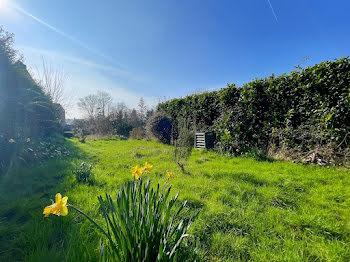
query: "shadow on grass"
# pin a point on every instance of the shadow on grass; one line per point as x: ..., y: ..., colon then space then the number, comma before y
x: 25, y: 191
x: 248, y: 178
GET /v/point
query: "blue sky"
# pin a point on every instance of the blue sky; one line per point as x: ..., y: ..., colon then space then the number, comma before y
x: 165, y: 49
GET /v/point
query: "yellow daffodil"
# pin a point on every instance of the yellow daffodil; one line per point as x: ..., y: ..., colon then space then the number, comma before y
x: 59, y: 208
x: 28, y: 140
x: 137, y: 172
x: 170, y: 175
x: 11, y: 141
x: 147, y: 167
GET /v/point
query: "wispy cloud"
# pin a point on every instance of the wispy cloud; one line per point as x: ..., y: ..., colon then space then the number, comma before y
x: 87, y: 77
x: 273, y: 11
x: 67, y: 36
x: 111, y: 70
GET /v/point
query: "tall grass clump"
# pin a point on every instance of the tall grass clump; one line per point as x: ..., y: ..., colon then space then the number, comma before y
x: 142, y: 225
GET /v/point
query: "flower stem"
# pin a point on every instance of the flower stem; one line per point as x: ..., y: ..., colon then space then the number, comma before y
x: 91, y: 220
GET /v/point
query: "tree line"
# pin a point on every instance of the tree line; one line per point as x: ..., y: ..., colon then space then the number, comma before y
x: 104, y: 117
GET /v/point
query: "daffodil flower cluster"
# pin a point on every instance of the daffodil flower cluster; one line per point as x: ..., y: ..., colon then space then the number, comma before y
x: 59, y: 208
x: 138, y: 171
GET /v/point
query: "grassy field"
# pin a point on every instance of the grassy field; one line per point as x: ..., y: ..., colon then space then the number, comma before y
x: 250, y: 210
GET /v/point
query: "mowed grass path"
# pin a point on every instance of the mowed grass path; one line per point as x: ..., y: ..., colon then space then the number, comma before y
x: 250, y: 210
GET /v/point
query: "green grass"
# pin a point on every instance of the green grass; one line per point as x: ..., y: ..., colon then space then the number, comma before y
x: 251, y: 211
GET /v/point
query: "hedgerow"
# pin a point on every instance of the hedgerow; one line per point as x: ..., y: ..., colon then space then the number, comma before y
x: 25, y: 110
x: 306, y: 109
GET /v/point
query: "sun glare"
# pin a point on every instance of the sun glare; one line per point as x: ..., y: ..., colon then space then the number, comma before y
x: 3, y: 5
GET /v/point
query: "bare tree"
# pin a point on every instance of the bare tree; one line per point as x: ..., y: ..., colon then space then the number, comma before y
x: 88, y: 105
x: 119, y: 112
x: 182, y: 144
x: 96, y: 105
x: 53, y: 83
x: 104, y: 103
x: 121, y: 107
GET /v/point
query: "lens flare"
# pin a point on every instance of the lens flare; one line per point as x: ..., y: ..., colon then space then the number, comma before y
x: 3, y: 4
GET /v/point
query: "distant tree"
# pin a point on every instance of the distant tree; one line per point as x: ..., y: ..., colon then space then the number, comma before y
x: 6, y: 44
x: 106, y: 119
x: 53, y: 83
x: 104, y: 102
x: 119, y: 112
x: 142, y: 110
x: 149, y: 113
x: 96, y: 105
x: 119, y: 118
x: 134, y: 118
x: 97, y: 108
x: 88, y: 105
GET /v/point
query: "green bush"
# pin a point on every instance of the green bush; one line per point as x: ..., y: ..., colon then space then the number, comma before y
x: 311, y: 106
x: 159, y: 125
x: 83, y: 173
x: 142, y: 224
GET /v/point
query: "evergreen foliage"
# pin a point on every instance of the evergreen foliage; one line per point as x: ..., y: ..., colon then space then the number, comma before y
x: 302, y: 110
x: 159, y: 125
x: 25, y: 111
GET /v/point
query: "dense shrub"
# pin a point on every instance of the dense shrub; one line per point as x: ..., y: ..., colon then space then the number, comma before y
x: 137, y: 133
x: 310, y: 106
x: 159, y: 125
x: 25, y: 110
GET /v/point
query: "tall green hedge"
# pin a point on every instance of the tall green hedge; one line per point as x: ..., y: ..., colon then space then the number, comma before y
x: 307, y: 108
x: 25, y: 111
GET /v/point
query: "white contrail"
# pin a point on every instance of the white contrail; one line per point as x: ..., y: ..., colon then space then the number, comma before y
x: 73, y: 39
x: 273, y: 11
